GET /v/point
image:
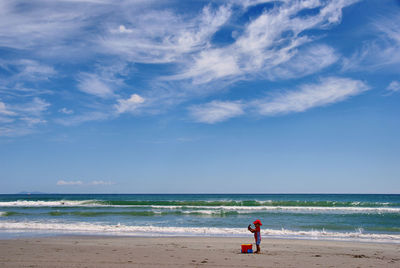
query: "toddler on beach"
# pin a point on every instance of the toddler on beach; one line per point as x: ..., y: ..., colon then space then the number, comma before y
x: 257, y: 233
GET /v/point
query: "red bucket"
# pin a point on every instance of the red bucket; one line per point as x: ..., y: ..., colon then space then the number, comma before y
x: 247, y: 248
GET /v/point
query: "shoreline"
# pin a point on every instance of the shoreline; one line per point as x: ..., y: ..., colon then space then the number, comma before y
x: 88, y: 229
x: 12, y: 235
x: 122, y: 251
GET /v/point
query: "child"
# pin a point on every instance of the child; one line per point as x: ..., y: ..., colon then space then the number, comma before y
x: 257, y: 233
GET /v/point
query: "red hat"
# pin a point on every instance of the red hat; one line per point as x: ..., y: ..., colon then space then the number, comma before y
x: 257, y: 221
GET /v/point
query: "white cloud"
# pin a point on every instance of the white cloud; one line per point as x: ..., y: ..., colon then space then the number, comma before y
x: 34, y: 108
x: 22, y: 76
x: 306, y: 62
x: 389, y: 27
x: 68, y: 183
x: 129, y: 105
x: 267, y: 43
x: 216, y: 111
x: 207, y: 24
x: 122, y: 29
x: 40, y: 26
x: 307, y: 96
x: 26, y: 69
x: 24, y: 108
x: 394, y: 86
x: 31, y: 121
x: 66, y: 111
x: 327, y: 91
x: 248, y: 3
x: 20, y: 119
x: 210, y: 65
x: 273, y: 45
x: 5, y: 111
x: 95, y: 85
x: 81, y: 183
x: 100, y: 182
x: 381, y: 52
x: 159, y: 36
x: 83, y: 117
x: 33, y: 70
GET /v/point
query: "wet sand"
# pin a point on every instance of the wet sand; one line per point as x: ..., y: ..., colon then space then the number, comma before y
x: 95, y: 251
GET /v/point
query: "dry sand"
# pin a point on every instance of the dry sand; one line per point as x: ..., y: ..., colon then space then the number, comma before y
x: 81, y: 251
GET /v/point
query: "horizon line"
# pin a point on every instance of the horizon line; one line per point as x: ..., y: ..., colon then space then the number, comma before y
x: 38, y: 193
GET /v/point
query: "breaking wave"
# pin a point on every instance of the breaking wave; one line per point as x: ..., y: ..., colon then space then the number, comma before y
x: 224, y: 207
x: 127, y: 230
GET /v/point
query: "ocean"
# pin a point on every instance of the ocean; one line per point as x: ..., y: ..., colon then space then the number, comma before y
x: 348, y: 217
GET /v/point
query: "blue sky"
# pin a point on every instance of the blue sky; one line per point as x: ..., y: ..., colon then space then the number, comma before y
x: 200, y: 96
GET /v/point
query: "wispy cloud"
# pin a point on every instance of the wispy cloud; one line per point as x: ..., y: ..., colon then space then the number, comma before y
x: 382, y: 51
x: 108, y: 55
x: 160, y: 36
x: 216, y: 111
x: 308, y: 61
x: 34, y: 108
x: 66, y: 111
x: 100, y: 182
x: 77, y: 119
x: 96, y: 85
x: 27, y: 69
x: 69, y: 183
x: 269, y: 43
x: 328, y: 91
x: 129, y: 105
x: 20, y: 119
x: 208, y: 66
x: 394, y: 86
x: 18, y: 78
x: 81, y: 183
x: 5, y: 111
x: 43, y: 27
x: 272, y: 46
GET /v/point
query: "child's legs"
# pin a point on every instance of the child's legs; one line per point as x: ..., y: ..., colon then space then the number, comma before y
x: 258, y: 242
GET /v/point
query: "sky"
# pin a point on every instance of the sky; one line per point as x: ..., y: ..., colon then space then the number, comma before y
x: 250, y: 96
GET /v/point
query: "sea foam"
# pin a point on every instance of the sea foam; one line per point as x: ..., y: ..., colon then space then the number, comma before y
x: 61, y: 203
x: 204, y: 209
x: 127, y: 230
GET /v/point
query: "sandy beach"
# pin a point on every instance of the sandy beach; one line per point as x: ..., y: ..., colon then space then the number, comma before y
x: 86, y: 251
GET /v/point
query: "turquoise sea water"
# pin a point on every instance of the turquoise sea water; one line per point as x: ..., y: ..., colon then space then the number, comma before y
x: 308, y: 216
